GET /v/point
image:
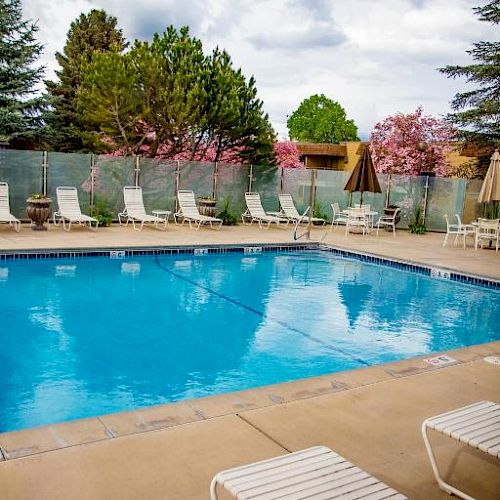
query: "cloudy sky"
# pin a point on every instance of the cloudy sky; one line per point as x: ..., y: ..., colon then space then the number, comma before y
x: 375, y: 57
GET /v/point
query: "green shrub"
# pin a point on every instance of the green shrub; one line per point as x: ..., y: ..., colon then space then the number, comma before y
x: 416, y: 226
x: 228, y: 217
x: 101, y: 212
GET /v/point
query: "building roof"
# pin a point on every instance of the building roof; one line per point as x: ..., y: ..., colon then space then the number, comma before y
x: 310, y: 148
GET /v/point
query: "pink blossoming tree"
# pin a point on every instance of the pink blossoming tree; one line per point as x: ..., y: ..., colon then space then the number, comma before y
x: 287, y: 155
x: 411, y: 144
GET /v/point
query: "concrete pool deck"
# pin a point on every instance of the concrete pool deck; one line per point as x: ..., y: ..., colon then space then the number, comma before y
x: 370, y: 416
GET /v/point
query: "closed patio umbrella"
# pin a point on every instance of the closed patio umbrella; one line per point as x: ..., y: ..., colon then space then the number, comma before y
x: 490, y: 190
x: 363, y: 177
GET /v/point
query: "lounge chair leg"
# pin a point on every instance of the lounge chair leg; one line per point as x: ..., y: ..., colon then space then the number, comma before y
x: 213, y: 489
x: 441, y: 483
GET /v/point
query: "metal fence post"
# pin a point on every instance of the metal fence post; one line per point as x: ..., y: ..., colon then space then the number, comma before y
x: 92, y: 182
x: 45, y: 164
x: 137, y: 170
x: 281, y: 180
x: 388, y: 193
x: 214, y: 183
x: 250, y: 179
x: 312, y: 201
x: 424, y: 201
x: 176, y: 185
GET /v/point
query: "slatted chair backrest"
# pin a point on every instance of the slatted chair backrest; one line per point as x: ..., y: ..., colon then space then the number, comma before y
x: 488, y: 227
x: 288, y: 206
x: 4, y: 201
x: 67, y: 200
x: 254, y: 205
x: 134, y: 203
x: 187, y: 203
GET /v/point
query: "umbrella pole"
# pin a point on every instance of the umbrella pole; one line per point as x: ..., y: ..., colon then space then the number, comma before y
x: 361, y: 198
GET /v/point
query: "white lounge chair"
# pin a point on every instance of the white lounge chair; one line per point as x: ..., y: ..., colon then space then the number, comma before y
x: 5, y: 216
x: 188, y: 211
x: 316, y: 472
x: 255, y: 212
x: 290, y: 212
x: 477, y: 425
x: 69, y: 209
x: 135, y: 211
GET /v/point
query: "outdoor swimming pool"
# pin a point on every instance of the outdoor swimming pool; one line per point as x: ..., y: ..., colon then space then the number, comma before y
x: 90, y: 336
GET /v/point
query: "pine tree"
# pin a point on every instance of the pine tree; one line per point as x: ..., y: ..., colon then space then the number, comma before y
x: 19, y: 110
x: 90, y: 33
x: 480, y: 118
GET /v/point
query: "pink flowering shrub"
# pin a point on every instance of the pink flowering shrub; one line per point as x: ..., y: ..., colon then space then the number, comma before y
x: 409, y: 144
x: 287, y: 154
x: 204, y: 153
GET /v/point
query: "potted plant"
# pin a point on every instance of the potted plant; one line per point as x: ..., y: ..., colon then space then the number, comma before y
x: 38, y: 210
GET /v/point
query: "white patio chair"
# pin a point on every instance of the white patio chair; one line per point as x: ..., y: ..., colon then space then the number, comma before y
x: 255, y: 212
x: 316, y: 472
x: 135, y: 212
x: 366, y: 207
x: 487, y: 230
x: 356, y: 217
x: 188, y: 211
x: 290, y: 212
x: 476, y: 425
x: 388, y: 221
x: 338, y: 216
x: 458, y: 230
x: 5, y: 216
x: 69, y: 209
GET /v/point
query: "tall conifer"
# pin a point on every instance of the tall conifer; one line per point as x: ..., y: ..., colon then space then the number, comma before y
x: 89, y: 33
x: 19, y: 109
x: 477, y: 112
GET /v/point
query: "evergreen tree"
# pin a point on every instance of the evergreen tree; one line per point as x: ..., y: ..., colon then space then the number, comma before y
x: 319, y: 119
x: 90, y: 33
x: 480, y: 118
x: 19, y: 110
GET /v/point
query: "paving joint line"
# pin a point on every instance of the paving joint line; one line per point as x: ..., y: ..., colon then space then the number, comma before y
x: 265, y: 434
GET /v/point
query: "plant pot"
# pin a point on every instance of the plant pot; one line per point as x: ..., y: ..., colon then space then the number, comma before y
x: 38, y: 211
x: 207, y: 206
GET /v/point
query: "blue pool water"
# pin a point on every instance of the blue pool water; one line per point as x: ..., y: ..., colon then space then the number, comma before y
x: 89, y: 336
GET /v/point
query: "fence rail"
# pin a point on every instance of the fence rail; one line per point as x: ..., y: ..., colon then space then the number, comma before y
x: 100, y: 179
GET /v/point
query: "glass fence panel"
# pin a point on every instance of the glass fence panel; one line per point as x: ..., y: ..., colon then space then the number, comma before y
x: 70, y: 169
x: 297, y: 182
x: 197, y: 177
x: 157, y: 179
x: 445, y: 196
x: 406, y: 192
x: 330, y: 189
x: 266, y: 182
x: 22, y: 170
x: 232, y: 184
x: 111, y: 175
x: 472, y: 208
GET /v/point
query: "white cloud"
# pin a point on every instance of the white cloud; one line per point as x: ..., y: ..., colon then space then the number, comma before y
x: 374, y: 57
